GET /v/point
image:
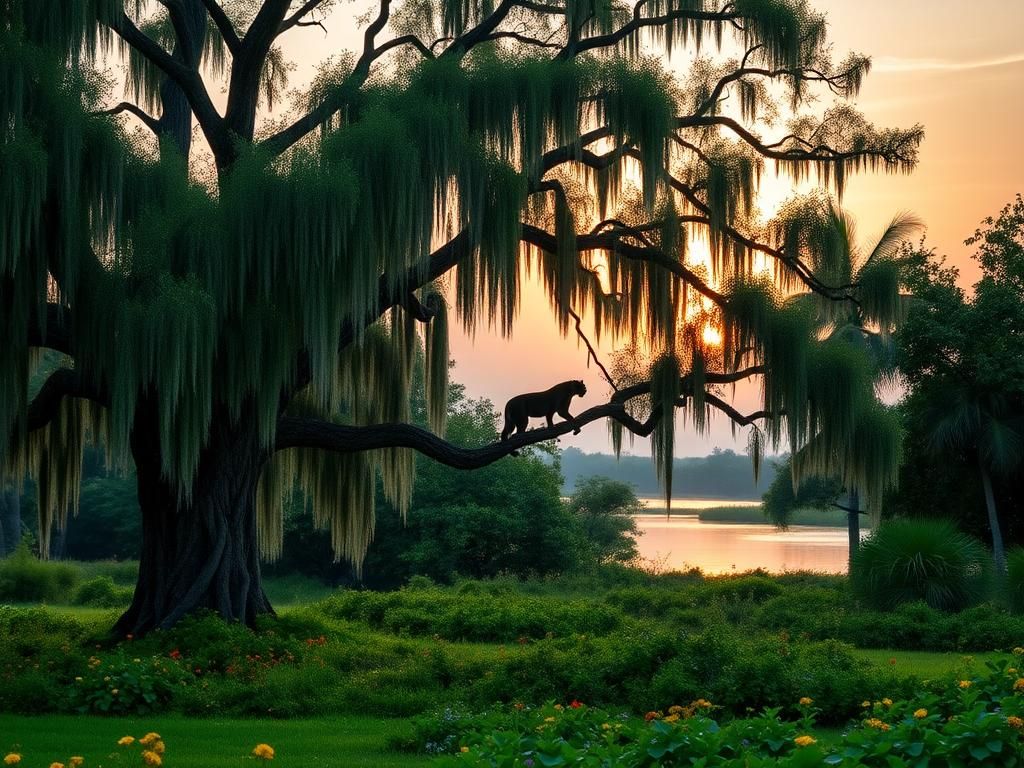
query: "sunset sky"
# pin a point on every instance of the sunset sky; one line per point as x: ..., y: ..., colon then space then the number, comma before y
x: 957, y: 68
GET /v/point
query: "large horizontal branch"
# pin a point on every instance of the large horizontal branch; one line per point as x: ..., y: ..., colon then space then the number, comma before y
x: 64, y: 382
x: 294, y: 432
x: 301, y: 432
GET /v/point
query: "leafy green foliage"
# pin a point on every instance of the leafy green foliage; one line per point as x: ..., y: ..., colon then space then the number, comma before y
x: 507, y: 517
x: 199, y: 296
x: 962, y: 359
x: 784, y: 496
x: 605, y: 508
x: 24, y: 579
x: 953, y: 726
x: 908, y: 560
x: 101, y: 592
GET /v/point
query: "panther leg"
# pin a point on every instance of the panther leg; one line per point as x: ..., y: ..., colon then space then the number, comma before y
x: 564, y: 413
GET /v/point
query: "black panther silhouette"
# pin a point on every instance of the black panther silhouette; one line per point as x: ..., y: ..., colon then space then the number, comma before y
x: 520, y: 408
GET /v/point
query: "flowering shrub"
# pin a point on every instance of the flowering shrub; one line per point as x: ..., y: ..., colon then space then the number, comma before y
x: 955, y: 725
x: 117, y: 684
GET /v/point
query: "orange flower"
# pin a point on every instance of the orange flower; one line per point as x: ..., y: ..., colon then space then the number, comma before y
x: 921, y: 714
x: 804, y: 741
x: 1019, y: 685
x: 1015, y: 722
x: 806, y: 701
x: 965, y: 684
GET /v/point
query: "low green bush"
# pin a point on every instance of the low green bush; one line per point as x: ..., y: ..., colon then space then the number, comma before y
x: 26, y: 579
x: 102, y: 592
x: 965, y: 722
x: 932, y: 561
x: 463, y: 614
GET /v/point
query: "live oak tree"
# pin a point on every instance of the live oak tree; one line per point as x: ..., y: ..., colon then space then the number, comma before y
x: 234, y: 332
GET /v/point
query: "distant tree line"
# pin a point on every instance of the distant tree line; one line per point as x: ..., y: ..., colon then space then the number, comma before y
x: 724, y: 474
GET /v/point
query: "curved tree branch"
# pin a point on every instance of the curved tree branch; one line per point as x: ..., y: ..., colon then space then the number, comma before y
x: 299, y: 432
x: 148, y: 120
x: 64, y: 382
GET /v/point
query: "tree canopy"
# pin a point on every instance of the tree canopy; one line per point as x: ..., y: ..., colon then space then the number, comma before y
x: 254, y: 320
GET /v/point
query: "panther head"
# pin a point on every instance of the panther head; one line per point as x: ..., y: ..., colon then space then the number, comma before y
x: 580, y: 389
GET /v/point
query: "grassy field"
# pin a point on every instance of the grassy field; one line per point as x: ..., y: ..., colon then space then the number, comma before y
x: 927, y: 665
x: 344, y: 742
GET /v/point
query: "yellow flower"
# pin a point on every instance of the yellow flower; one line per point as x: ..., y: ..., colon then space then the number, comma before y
x: 675, y: 709
x: 149, y: 738
x: 964, y: 683
x: 874, y: 722
x: 13, y: 758
x: 114, y: 691
x: 559, y: 707
x: 263, y: 752
x: 1018, y: 651
x: 920, y: 714
x: 76, y: 761
x: 671, y: 718
x: 806, y: 701
x: 804, y: 741
x: 56, y: 765
x: 1019, y: 685
x: 605, y: 727
x: 126, y: 741
x: 149, y: 757
x: 463, y: 749
x: 159, y: 747
x: 1015, y: 722
x: 886, y: 702
x: 865, y: 704
x: 549, y: 719
x: 78, y: 679
x: 1011, y: 670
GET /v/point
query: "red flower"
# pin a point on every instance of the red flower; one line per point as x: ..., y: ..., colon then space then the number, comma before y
x: 175, y: 654
x: 576, y: 704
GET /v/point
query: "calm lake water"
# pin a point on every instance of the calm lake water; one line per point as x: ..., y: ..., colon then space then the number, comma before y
x: 683, y: 541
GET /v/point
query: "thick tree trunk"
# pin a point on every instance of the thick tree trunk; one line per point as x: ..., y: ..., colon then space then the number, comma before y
x: 853, y: 524
x: 998, y: 549
x: 10, y: 521
x: 198, y: 553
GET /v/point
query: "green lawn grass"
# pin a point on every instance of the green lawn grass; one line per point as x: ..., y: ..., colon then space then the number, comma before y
x: 928, y: 665
x: 340, y: 742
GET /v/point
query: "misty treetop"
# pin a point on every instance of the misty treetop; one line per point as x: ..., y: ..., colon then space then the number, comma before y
x: 236, y: 331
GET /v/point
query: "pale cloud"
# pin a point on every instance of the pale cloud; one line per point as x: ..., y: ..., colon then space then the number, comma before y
x: 899, y: 64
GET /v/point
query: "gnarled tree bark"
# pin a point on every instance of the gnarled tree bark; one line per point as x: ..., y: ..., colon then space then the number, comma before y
x: 200, y: 552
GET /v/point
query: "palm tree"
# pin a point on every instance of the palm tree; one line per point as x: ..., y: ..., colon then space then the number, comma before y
x: 866, y: 458
x: 983, y: 425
